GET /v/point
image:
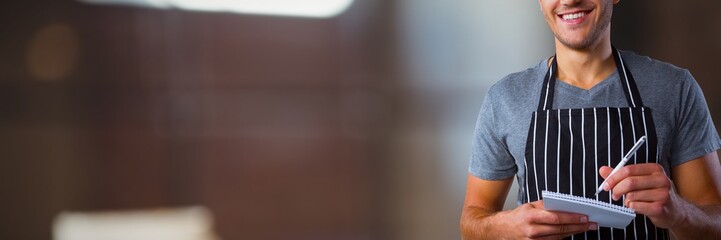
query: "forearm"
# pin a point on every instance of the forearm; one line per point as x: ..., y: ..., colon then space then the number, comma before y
x: 477, y: 224
x: 699, y: 222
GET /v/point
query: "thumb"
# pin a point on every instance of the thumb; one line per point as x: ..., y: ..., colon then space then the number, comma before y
x: 537, y: 204
x: 605, y: 171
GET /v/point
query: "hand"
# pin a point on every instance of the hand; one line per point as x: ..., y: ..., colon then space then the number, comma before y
x: 647, y: 190
x: 531, y: 221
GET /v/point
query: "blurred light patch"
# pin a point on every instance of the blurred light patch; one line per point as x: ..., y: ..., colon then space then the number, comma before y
x: 53, y: 52
x: 297, y: 8
x: 180, y: 223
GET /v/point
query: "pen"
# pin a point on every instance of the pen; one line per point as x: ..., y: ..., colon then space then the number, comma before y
x: 623, y: 161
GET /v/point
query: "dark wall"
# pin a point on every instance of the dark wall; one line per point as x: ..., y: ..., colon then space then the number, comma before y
x: 271, y: 122
x: 684, y: 33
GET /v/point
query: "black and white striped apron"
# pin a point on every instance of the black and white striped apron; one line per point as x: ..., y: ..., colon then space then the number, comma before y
x: 566, y: 147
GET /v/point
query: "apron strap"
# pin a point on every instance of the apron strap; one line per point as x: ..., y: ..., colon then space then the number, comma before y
x: 549, y: 84
x: 633, y: 97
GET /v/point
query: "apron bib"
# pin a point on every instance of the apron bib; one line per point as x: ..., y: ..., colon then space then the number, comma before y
x: 566, y: 147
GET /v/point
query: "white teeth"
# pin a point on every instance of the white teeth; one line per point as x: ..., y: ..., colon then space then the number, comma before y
x: 573, y: 16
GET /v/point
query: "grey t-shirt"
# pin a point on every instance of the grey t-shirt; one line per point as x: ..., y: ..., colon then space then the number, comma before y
x: 683, y: 124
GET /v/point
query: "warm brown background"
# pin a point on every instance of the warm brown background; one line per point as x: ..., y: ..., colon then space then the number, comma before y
x: 282, y: 126
x: 266, y: 120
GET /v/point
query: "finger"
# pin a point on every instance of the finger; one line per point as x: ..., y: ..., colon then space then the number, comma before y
x: 604, y: 171
x: 557, y: 231
x: 639, y: 183
x: 650, y: 209
x: 635, y: 169
x: 656, y: 195
x: 632, y: 170
x: 537, y: 204
x: 557, y: 218
x: 649, y: 196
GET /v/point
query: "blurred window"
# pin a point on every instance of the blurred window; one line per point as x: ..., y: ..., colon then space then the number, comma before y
x: 298, y: 8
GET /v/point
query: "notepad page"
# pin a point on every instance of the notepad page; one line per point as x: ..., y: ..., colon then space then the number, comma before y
x: 603, y: 213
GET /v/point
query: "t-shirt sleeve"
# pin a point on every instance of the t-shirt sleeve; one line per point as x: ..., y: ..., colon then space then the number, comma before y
x: 695, y: 133
x: 490, y: 157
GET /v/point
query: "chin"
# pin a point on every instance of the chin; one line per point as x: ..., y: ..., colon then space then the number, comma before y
x: 576, y: 43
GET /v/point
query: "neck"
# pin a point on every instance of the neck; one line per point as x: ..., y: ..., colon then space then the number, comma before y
x: 584, y: 68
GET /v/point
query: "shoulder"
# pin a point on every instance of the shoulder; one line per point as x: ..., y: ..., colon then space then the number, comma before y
x: 517, y: 83
x: 661, y: 83
x: 649, y: 69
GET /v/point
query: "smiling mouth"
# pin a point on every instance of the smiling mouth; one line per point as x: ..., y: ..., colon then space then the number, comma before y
x: 574, y: 16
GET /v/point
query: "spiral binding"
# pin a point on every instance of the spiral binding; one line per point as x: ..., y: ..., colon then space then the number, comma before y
x: 588, y: 201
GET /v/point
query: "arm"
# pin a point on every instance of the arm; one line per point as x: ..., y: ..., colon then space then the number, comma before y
x: 694, y: 212
x: 698, y: 182
x: 482, y: 217
x: 483, y: 199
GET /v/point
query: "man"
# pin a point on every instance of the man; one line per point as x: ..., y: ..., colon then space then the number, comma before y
x: 562, y: 125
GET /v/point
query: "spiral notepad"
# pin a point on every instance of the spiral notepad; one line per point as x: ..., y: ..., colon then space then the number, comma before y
x: 603, y: 213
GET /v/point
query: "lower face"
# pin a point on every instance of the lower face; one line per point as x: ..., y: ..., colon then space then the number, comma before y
x: 579, y: 25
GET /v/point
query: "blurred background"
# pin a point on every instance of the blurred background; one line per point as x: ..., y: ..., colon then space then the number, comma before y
x: 351, y: 126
